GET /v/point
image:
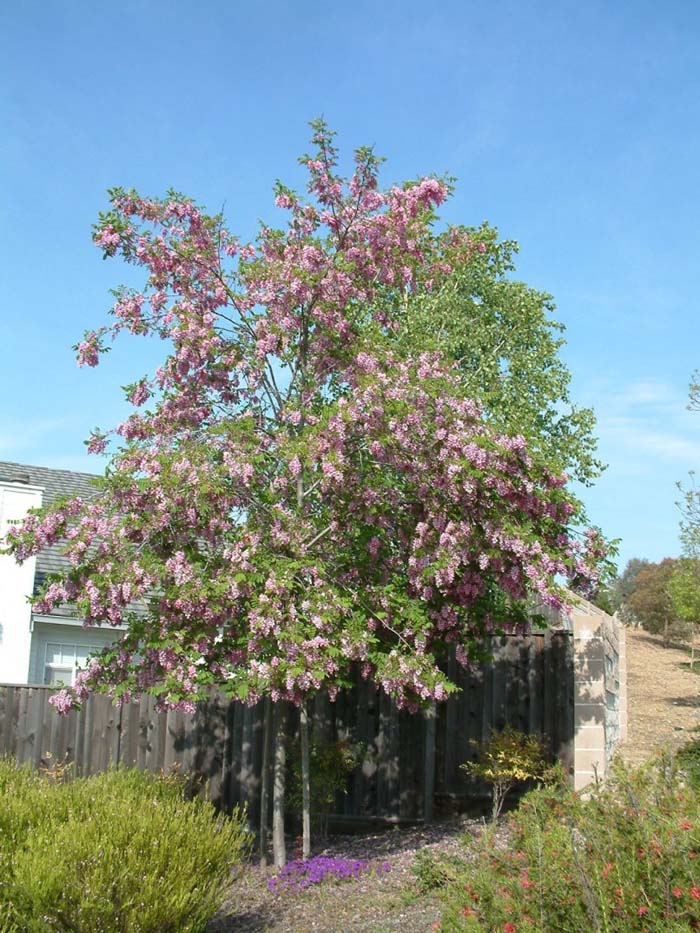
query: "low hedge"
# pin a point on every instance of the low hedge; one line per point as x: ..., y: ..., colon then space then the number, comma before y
x: 120, y: 852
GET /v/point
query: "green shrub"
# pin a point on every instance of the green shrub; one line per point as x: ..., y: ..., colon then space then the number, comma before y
x: 626, y: 858
x: 433, y: 872
x: 330, y: 764
x: 688, y: 759
x: 122, y: 852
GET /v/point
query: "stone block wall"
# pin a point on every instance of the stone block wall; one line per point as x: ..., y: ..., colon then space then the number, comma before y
x: 600, y: 691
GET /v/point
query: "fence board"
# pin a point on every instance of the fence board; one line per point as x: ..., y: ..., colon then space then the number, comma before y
x: 46, y: 738
x: 451, y: 712
x: 9, y: 720
x: 247, y: 777
x: 26, y: 734
x: 565, y: 747
x: 210, y: 746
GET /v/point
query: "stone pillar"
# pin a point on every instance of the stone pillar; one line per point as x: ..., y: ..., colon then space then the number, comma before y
x: 589, y: 694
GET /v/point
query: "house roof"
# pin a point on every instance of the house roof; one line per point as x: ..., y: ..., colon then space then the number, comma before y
x: 56, y: 484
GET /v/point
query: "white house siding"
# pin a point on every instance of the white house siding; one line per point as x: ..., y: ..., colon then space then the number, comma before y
x: 22, y: 647
x: 68, y: 635
x: 16, y: 585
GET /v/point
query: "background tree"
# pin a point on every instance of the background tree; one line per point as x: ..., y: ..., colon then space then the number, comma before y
x: 690, y: 504
x: 694, y: 392
x: 684, y: 591
x: 299, y: 489
x: 650, y: 600
x: 604, y: 598
x: 622, y: 587
x: 684, y: 585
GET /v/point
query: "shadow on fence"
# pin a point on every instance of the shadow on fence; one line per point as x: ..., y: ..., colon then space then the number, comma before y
x: 409, y: 760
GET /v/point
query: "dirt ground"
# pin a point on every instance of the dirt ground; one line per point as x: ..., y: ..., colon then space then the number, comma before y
x: 664, y: 711
x: 663, y: 697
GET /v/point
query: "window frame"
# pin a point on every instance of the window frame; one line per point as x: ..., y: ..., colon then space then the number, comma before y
x: 71, y: 669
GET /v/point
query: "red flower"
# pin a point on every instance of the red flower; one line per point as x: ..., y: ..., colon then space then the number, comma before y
x: 509, y: 927
x: 643, y: 910
x: 677, y: 892
x: 686, y: 825
x: 695, y: 892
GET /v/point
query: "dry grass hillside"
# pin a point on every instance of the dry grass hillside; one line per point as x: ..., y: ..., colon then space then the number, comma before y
x: 663, y: 697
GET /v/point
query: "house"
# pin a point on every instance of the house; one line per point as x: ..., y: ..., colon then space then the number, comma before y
x: 37, y: 648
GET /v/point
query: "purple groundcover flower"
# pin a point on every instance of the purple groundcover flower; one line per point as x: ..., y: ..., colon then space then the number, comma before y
x: 297, y: 875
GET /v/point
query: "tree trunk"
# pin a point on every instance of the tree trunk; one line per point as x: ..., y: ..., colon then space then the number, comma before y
x: 305, y: 782
x: 265, y: 782
x: 278, y: 844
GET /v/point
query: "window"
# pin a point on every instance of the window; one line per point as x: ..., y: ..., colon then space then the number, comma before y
x: 64, y: 661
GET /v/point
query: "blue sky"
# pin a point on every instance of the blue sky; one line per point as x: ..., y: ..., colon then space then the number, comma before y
x: 574, y: 128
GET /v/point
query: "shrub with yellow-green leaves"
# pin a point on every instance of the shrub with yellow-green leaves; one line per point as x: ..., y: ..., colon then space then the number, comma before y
x: 506, y: 759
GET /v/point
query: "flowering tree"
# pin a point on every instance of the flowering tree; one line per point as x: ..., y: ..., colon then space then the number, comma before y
x: 297, y: 489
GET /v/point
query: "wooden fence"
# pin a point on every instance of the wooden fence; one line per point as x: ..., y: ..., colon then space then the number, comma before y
x: 408, y: 762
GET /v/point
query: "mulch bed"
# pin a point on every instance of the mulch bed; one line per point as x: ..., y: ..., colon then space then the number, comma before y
x: 378, y: 902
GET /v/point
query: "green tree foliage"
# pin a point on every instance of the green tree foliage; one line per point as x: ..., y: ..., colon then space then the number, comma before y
x: 694, y: 403
x: 503, y: 335
x: 684, y: 590
x: 330, y: 763
x: 684, y: 585
x: 605, y: 598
